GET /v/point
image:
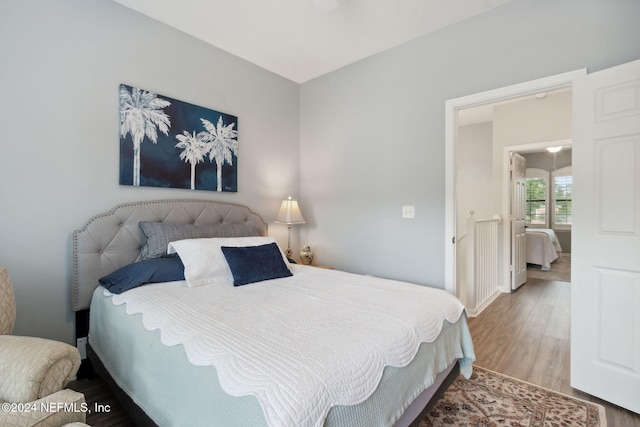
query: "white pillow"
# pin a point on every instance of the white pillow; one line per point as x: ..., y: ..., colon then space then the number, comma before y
x: 204, y: 262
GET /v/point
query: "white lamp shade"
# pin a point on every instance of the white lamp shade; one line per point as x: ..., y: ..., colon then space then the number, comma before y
x: 290, y: 212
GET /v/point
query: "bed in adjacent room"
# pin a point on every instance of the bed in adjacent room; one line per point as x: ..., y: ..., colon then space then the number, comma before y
x: 543, y: 247
x: 239, y: 342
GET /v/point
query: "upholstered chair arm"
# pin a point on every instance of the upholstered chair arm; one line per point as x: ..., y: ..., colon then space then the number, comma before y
x: 7, y: 303
x: 31, y: 368
x: 57, y: 409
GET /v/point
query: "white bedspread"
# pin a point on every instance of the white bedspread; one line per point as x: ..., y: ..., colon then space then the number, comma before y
x: 540, y: 248
x: 301, y: 344
x: 552, y: 235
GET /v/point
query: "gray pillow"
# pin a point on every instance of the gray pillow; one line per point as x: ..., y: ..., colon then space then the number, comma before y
x: 160, y: 234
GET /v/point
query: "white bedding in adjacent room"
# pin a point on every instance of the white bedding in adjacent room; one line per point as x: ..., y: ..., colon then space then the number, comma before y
x: 552, y: 236
x: 284, y: 340
x: 542, y: 247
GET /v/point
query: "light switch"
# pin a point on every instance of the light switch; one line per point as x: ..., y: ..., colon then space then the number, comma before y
x: 408, y: 211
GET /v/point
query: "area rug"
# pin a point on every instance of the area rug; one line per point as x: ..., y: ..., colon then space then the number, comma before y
x: 560, y: 270
x: 490, y: 399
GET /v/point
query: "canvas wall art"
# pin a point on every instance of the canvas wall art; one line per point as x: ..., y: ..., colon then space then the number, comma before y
x: 165, y: 142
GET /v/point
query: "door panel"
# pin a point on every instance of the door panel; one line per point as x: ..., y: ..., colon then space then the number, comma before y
x: 615, y: 170
x: 518, y: 220
x: 605, y: 285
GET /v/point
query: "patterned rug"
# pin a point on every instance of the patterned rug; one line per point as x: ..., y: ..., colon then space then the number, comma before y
x: 490, y: 399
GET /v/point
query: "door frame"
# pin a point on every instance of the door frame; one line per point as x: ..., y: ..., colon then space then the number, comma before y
x: 506, y: 201
x: 451, y: 109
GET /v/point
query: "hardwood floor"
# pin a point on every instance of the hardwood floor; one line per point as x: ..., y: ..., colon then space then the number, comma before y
x: 524, y: 334
x: 110, y: 413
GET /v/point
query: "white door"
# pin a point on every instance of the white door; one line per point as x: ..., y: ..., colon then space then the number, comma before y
x: 605, y: 275
x: 518, y: 169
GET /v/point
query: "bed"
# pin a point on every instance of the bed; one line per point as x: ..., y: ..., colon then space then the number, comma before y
x: 543, y: 247
x: 312, y: 347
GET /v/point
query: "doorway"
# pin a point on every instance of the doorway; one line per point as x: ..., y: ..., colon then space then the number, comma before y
x: 548, y: 211
x: 498, y: 187
x: 604, y: 356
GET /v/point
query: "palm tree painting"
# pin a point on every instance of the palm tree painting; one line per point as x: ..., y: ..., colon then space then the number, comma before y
x: 193, y: 147
x: 141, y: 114
x: 223, y: 145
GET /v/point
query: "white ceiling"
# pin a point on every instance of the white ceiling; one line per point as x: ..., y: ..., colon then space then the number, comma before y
x: 296, y: 40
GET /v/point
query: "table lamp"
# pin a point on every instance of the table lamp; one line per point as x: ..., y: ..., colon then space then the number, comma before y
x: 289, y: 214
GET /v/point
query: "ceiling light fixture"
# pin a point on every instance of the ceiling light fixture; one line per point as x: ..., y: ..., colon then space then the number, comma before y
x: 554, y: 149
x: 325, y: 6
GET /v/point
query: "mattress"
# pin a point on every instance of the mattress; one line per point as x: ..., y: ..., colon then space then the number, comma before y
x: 552, y: 236
x: 173, y: 391
x: 542, y: 248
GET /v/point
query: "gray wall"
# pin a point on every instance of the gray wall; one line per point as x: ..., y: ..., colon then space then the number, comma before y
x: 372, y: 134
x: 61, y: 64
x: 474, y: 179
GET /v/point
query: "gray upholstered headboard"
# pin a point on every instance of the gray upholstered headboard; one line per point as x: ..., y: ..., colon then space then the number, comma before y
x: 114, y: 239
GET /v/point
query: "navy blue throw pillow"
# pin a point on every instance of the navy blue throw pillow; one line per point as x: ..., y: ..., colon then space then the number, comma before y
x: 142, y: 272
x: 250, y: 264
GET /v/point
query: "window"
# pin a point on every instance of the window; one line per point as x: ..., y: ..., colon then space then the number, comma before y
x: 562, y: 194
x: 536, y: 201
x: 537, y: 197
